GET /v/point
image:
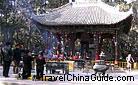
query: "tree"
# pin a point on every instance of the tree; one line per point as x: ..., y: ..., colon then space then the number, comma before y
x: 14, y: 26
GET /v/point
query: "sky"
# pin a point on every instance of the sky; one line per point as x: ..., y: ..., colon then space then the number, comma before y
x: 129, y: 1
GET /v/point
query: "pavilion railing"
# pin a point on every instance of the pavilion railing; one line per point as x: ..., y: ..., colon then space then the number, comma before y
x: 121, y: 64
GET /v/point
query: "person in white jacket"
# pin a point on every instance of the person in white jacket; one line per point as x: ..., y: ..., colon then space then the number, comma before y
x: 129, y: 60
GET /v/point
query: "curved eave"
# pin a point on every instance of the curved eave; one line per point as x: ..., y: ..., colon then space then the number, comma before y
x: 99, y: 14
x: 126, y: 24
x: 49, y: 23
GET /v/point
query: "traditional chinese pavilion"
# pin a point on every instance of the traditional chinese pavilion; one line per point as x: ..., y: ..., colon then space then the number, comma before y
x: 87, y: 26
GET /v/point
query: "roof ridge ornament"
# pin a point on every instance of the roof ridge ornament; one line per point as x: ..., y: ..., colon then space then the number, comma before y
x: 84, y: 1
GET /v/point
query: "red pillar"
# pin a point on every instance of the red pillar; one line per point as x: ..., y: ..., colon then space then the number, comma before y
x: 116, y: 48
x: 96, y: 41
x: 97, y: 57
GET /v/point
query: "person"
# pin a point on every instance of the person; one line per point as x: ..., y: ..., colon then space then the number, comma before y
x: 102, y: 55
x: 6, y: 52
x: 55, y: 56
x: 27, y: 61
x: 40, y: 61
x: 129, y: 60
x: 75, y: 57
x: 86, y: 56
x: 34, y: 55
x: 61, y: 56
x: 16, y: 58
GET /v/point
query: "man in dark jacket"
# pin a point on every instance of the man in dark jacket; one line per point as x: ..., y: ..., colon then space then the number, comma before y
x: 16, y: 58
x: 7, y: 58
x: 40, y: 61
x: 27, y: 61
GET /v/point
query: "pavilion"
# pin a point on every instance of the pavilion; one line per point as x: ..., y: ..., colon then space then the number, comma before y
x: 86, y: 25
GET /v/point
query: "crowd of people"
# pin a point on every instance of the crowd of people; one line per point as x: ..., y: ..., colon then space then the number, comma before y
x: 18, y: 54
x: 14, y: 56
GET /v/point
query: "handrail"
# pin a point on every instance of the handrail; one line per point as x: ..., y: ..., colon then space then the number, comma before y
x: 121, y: 64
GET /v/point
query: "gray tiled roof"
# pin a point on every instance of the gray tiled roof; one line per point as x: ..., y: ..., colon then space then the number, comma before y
x: 92, y: 14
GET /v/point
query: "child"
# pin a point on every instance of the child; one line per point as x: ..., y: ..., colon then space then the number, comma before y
x: 40, y: 61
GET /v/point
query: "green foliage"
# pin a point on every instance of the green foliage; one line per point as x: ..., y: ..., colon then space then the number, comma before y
x: 128, y: 43
x: 57, y: 3
x: 1, y: 2
x: 50, y: 4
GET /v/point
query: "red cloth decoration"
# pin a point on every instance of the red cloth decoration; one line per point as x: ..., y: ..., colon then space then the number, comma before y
x: 75, y: 58
x: 97, y: 57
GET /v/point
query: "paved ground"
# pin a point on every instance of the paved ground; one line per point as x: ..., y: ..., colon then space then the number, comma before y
x: 13, y: 81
